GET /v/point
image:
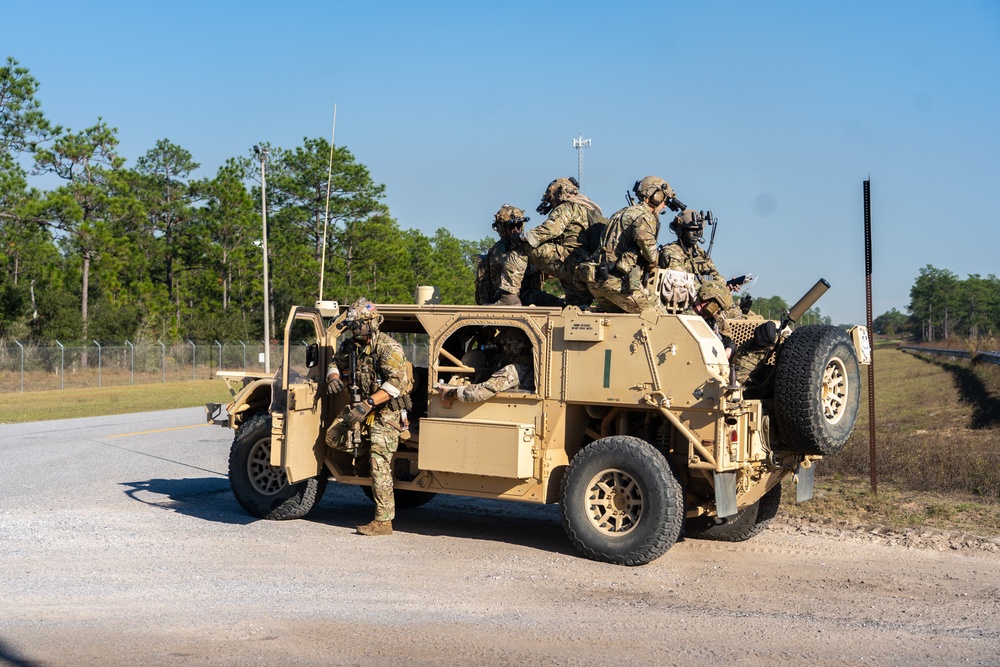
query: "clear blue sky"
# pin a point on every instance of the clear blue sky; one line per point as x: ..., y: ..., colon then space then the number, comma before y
x: 771, y: 114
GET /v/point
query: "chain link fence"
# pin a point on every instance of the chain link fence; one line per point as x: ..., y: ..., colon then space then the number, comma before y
x: 35, y: 366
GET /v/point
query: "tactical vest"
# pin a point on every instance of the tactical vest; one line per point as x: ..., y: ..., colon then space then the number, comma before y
x: 370, y: 380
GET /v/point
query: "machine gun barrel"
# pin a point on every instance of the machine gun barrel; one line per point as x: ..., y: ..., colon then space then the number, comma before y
x: 807, y: 301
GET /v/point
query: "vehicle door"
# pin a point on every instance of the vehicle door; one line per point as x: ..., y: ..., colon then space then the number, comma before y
x: 303, y: 375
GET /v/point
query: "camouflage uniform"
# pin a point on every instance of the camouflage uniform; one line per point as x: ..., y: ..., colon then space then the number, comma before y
x: 710, y: 291
x: 380, y: 365
x: 511, y: 376
x: 504, y: 259
x: 628, y: 247
x: 557, y: 247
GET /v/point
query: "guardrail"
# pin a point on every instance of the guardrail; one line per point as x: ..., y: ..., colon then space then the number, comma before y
x: 978, y: 357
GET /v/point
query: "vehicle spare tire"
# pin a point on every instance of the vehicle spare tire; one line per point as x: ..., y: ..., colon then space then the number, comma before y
x: 260, y: 488
x: 817, y: 390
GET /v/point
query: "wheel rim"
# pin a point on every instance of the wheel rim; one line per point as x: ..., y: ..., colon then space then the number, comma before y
x: 266, y: 479
x: 834, y: 390
x: 614, y: 501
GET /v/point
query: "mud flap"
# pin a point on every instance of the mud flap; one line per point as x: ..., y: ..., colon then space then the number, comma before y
x: 725, y: 494
x: 804, y: 482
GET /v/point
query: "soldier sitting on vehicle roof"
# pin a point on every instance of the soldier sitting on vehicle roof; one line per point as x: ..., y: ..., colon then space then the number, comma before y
x: 558, y: 245
x: 494, y: 285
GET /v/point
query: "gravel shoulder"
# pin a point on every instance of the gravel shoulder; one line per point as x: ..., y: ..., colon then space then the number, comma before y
x: 121, y: 544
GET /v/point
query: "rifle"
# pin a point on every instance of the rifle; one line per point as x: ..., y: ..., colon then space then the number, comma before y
x: 354, y: 436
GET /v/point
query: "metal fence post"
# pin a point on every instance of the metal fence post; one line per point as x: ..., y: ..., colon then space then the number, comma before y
x: 98, y: 363
x: 62, y: 365
x: 244, y: 356
x: 163, y: 361
x: 131, y: 361
x: 22, y: 363
x: 220, y: 354
x: 194, y: 354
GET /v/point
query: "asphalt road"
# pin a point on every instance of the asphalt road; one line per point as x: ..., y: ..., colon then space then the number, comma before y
x: 121, y: 544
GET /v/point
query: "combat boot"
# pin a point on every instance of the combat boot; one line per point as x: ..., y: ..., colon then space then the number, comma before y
x: 376, y: 528
x: 507, y: 299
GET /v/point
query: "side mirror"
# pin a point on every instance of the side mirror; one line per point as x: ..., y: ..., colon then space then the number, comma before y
x: 312, y: 355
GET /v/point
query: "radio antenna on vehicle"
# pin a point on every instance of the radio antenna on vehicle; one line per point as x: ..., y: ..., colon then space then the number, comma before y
x: 326, y: 217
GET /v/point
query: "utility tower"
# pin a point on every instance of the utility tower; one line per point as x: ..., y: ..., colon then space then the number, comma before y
x: 579, y: 144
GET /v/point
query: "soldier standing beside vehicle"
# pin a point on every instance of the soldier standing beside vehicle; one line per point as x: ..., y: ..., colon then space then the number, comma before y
x: 628, y: 253
x: 561, y: 243
x: 491, y: 288
x: 380, y: 376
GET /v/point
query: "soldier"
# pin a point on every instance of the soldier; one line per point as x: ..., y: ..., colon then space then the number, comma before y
x: 516, y: 372
x: 628, y: 252
x: 381, y: 377
x: 560, y: 244
x: 691, y: 283
x: 491, y: 288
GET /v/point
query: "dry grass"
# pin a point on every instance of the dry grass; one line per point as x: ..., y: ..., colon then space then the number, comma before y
x: 937, y: 429
x: 850, y: 499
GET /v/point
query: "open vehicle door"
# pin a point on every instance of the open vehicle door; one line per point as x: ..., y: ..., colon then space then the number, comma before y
x: 299, y: 449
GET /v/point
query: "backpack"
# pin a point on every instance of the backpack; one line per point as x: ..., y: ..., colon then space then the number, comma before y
x: 484, y: 282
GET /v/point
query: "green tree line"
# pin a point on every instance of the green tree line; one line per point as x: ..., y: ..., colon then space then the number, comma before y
x: 147, y: 252
x: 944, y: 306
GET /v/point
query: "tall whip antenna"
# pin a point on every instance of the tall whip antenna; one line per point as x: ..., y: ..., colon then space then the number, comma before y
x: 326, y: 217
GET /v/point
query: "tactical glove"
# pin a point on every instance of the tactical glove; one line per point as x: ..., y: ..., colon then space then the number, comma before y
x: 334, y: 384
x: 355, y: 414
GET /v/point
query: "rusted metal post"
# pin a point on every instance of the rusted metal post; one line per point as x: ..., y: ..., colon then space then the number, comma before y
x: 872, y: 459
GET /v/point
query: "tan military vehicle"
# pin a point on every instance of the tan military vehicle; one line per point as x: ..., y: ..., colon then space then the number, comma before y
x: 637, y: 425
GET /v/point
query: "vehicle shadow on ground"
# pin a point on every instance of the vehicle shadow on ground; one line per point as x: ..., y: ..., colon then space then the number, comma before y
x: 972, y: 390
x: 9, y: 656
x: 529, y: 525
x: 207, y: 498
x: 211, y: 499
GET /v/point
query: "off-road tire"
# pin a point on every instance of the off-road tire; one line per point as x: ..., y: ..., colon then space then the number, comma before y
x: 405, y: 498
x: 260, y: 488
x: 750, y: 521
x: 817, y: 390
x: 621, y: 501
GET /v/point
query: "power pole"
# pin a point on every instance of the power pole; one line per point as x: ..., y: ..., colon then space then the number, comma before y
x: 579, y: 144
x: 262, y: 154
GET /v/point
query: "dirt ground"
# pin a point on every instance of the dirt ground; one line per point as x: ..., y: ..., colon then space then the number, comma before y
x: 121, y: 544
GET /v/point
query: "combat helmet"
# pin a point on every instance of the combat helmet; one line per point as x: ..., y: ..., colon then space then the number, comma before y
x: 688, y: 219
x: 508, y: 219
x: 514, y: 345
x: 657, y: 192
x: 558, y: 190
x: 362, y: 320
